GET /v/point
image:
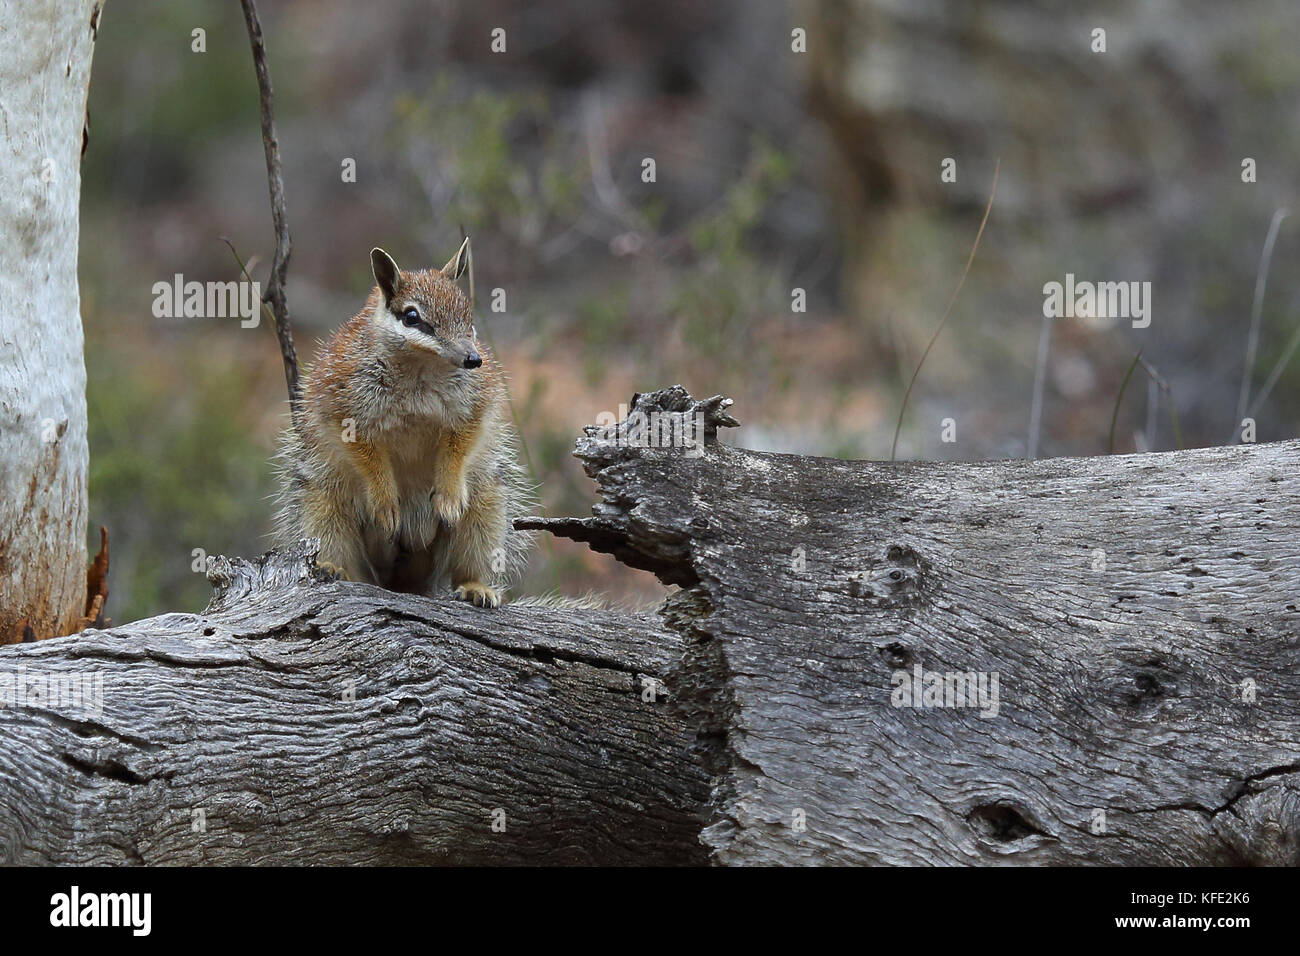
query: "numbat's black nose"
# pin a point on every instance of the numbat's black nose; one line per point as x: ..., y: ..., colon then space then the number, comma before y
x: 473, y: 360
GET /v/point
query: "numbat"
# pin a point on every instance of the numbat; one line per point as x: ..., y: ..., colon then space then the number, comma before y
x: 401, y: 459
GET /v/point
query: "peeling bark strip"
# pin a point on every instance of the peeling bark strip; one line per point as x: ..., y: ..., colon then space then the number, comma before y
x: 228, y: 737
x: 1131, y: 607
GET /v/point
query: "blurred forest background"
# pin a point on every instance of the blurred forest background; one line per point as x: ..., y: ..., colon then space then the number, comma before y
x: 776, y: 170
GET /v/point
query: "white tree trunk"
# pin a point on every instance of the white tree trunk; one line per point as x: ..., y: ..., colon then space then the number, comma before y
x: 45, y: 54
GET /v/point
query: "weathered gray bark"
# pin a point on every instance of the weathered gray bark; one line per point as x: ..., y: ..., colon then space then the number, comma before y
x: 1124, y: 603
x: 45, y: 54
x: 1127, y: 605
x: 237, y: 723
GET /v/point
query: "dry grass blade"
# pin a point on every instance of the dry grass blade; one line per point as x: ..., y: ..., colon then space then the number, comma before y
x: 1256, y: 310
x: 1114, y: 415
x: 993, y: 190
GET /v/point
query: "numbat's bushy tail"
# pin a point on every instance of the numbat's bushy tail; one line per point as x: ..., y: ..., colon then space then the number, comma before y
x: 402, y: 460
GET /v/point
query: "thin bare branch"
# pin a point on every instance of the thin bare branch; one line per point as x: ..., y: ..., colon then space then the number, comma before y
x: 275, y: 296
x: 245, y: 271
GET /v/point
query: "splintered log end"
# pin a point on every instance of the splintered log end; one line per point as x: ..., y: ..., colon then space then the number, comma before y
x: 667, y: 418
x: 237, y: 579
x: 661, y: 428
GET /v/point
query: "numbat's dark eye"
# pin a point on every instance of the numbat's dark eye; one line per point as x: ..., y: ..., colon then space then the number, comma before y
x: 411, y: 316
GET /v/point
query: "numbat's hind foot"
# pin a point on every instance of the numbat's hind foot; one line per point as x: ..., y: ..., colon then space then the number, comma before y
x: 333, y: 569
x: 480, y: 595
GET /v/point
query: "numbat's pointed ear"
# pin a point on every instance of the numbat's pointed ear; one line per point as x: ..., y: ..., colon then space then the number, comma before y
x: 385, y: 270
x: 455, y: 266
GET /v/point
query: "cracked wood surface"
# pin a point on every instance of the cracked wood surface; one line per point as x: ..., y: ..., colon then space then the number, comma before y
x: 300, y: 720
x: 1127, y: 604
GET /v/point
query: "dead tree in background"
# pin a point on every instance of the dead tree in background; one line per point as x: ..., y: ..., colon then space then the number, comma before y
x: 45, y: 54
x: 1140, y: 613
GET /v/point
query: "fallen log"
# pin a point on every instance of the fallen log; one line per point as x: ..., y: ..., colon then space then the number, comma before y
x: 1078, y: 660
x: 1055, y: 662
x: 307, y: 721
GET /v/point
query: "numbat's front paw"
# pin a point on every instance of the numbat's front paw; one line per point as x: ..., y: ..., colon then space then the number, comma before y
x: 450, y: 508
x: 480, y: 595
x: 332, y: 569
x: 387, y: 516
